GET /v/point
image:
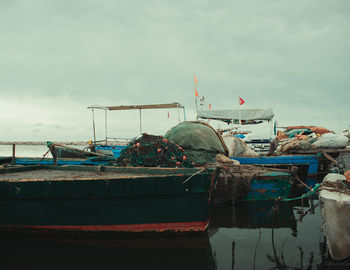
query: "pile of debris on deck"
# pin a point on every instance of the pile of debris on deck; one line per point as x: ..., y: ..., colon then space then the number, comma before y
x: 307, y: 139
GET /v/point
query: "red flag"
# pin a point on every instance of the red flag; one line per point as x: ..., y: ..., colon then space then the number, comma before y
x: 168, y: 115
x: 240, y: 101
x: 195, y: 92
x: 209, y: 106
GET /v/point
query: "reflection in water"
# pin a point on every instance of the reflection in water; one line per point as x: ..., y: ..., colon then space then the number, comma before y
x: 267, y: 237
x: 89, y: 253
x: 249, y: 235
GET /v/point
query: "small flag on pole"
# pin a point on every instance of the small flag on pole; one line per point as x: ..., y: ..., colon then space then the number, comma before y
x: 195, y: 85
x: 195, y: 92
x: 241, y: 101
x: 195, y: 79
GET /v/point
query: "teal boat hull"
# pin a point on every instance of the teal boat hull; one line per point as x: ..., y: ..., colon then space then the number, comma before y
x: 312, y: 161
x: 269, y: 185
x: 78, y: 198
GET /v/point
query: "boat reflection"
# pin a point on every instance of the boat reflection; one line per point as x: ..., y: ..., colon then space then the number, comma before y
x: 262, y: 235
x: 105, y: 253
x: 252, y: 215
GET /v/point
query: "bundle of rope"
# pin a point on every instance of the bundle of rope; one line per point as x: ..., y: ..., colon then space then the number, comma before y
x: 337, y: 186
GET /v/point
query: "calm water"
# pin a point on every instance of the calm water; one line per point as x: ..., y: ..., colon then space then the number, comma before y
x: 28, y: 150
x: 242, y: 236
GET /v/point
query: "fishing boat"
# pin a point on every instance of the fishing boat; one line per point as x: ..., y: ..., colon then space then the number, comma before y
x: 335, y: 210
x: 92, y: 161
x: 63, y: 151
x: 47, y: 198
x: 260, y: 140
x: 308, y: 164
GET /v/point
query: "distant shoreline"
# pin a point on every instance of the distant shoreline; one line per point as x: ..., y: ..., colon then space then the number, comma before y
x: 41, y: 143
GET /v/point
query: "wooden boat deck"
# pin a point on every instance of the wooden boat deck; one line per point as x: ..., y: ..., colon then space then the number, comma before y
x: 54, y: 175
x: 61, y: 173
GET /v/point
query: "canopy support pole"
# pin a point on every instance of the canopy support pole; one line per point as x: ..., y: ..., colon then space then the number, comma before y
x: 106, y: 124
x: 93, y: 125
x: 140, y: 124
x: 240, y: 122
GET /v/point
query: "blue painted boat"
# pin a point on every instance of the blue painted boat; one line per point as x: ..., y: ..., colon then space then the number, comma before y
x: 63, y: 161
x: 110, y: 150
x: 269, y: 186
x: 312, y: 161
x: 253, y: 183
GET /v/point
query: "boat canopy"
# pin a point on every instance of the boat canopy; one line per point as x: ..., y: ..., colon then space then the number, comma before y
x: 236, y: 115
x: 138, y: 107
x: 174, y: 105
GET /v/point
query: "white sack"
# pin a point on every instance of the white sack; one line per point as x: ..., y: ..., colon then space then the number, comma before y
x: 237, y: 147
x: 331, y: 140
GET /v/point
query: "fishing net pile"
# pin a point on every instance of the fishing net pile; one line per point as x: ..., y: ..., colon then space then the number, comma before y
x: 234, y: 180
x: 154, y: 151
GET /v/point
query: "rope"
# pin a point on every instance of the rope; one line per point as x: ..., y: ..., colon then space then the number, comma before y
x: 311, y: 192
x: 189, y: 178
x: 44, y: 156
x: 308, y: 194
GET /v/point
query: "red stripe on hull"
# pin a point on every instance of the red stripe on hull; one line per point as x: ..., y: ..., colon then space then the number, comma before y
x: 152, y: 227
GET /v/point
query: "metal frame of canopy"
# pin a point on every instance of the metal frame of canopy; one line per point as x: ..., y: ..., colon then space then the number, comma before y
x: 243, y: 116
x: 132, y: 107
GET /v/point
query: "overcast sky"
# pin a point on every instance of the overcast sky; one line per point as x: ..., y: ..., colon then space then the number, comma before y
x: 58, y: 57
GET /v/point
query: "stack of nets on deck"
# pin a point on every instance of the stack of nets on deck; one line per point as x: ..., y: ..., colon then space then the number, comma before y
x: 234, y: 180
x: 154, y: 151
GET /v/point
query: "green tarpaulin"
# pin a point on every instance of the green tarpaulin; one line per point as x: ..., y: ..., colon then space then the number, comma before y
x: 199, y: 140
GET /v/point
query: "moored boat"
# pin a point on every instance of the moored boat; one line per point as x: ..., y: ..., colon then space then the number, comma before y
x: 105, y: 199
x: 63, y: 151
x: 240, y: 120
x: 92, y: 161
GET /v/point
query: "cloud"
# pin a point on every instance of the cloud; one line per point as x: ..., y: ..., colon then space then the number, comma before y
x: 290, y: 55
